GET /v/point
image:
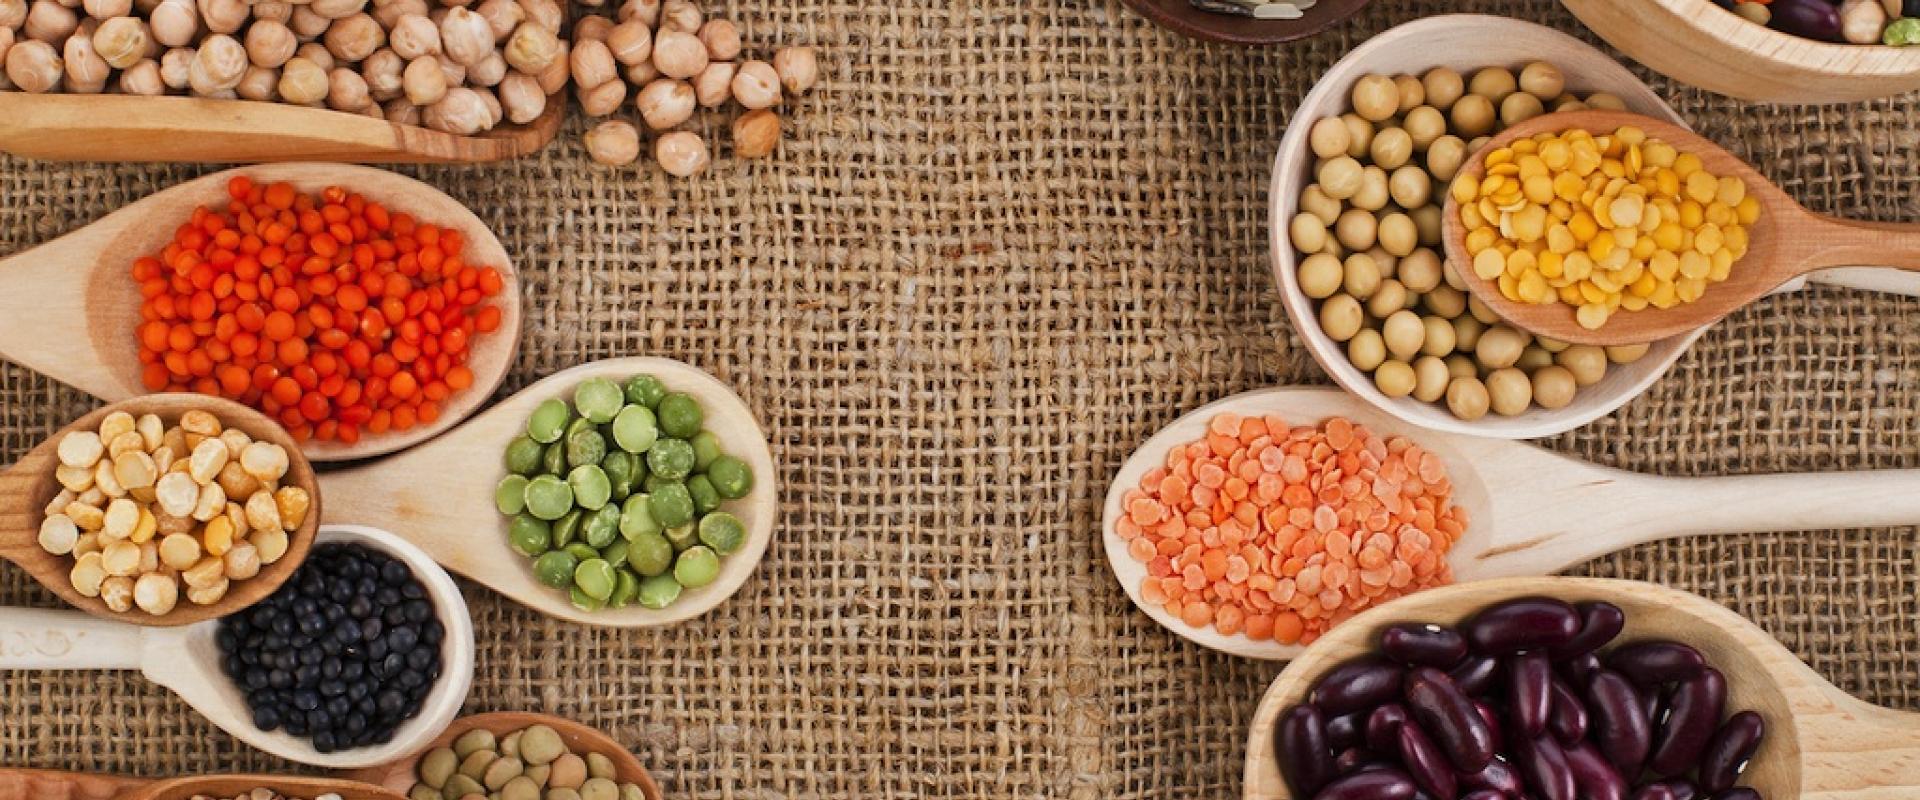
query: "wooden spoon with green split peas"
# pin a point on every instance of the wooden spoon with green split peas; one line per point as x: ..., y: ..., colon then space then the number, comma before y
x: 402, y: 773
x: 1788, y: 241
x: 440, y: 495
x: 45, y: 784
x: 69, y: 308
x: 1820, y: 744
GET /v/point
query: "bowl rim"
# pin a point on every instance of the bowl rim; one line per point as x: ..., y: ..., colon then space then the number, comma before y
x: 1816, y: 55
x: 1283, y: 203
x: 1244, y: 31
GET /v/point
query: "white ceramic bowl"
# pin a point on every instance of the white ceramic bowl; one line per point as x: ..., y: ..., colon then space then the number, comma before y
x: 1464, y: 42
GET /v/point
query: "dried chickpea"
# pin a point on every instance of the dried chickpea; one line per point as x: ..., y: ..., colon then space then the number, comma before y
x: 722, y: 39
x: 218, y: 64
x: 122, y: 41
x: 592, y: 63
x: 591, y: 28
x: 502, y: 17
x: 681, y: 55
x: 681, y: 153
x: 680, y: 15
x: 713, y: 87
x: 554, y: 77
x: 489, y: 72
x: 631, y: 43
x: 423, y: 82
x: 756, y: 133
x: 466, y: 37
x: 270, y: 44
x: 520, y: 95
x: 532, y: 47
x: 304, y: 83
x: 603, y: 99
x: 665, y: 103
x: 799, y: 68
x: 49, y: 21
x: 156, y: 594
x: 353, y: 39
x: 86, y: 71
x: 646, y: 12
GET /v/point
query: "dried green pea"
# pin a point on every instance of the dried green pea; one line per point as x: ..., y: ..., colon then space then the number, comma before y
x: 567, y: 528
x: 461, y: 786
x: 600, y: 766
x: 437, y: 766
x: 476, y: 763
x: 541, y: 744
x: 502, y: 770
x: 599, y: 789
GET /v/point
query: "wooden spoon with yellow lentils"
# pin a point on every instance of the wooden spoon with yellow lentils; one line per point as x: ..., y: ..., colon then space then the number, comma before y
x: 1610, y: 228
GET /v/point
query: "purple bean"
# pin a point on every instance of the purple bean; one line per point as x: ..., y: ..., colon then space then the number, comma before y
x: 1494, y: 727
x: 1498, y: 775
x: 1599, y: 622
x: 1346, y: 731
x: 1383, y: 726
x: 1424, y: 761
x: 1374, y: 784
x: 1355, y: 759
x: 1666, y: 790
x: 1654, y: 702
x: 1655, y: 663
x: 1523, y: 624
x: 1738, y: 793
x: 1595, y: 777
x: 1568, y: 720
x: 1450, y: 717
x: 1476, y: 675
x: 1729, y: 751
x: 1579, y: 669
x: 1302, y: 749
x: 1423, y: 645
x: 1483, y: 794
x: 1358, y: 685
x: 1529, y: 692
x: 1692, y: 717
x: 1813, y: 19
x: 1545, y: 767
x: 1620, y: 725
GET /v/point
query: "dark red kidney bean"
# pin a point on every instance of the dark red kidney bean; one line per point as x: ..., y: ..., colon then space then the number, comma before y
x: 1374, y: 784
x: 1301, y: 746
x: 1498, y: 775
x: 1450, y: 718
x: 1424, y: 761
x: 1650, y: 664
x: 1692, y: 716
x: 1654, y: 702
x: 1494, y: 727
x: 1677, y: 789
x: 1530, y: 692
x: 1358, y: 685
x: 1595, y: 778
x: 1729, y: 751
x: 1568, y: 719
x: 1354, y: 759
x: 1599, y: 622
x: 1483, y: 794
x: 1738, y: 793
x: 1620, y: 725
x: 1346, y: 731
x: 1383, y: 726
x: 1544, y: 764
x: 1579, y: 669
x: 1523, y: 624
x: 1476, y: 675
x: 1812, y: 19
x: 1419, y: 645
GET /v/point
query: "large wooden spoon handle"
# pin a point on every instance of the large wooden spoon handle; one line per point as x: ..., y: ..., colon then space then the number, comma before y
x: 46, y: 784
x: 1838, y: 242
x: 32, y: 638
x: 44, y: 315
x: 1851, y: 750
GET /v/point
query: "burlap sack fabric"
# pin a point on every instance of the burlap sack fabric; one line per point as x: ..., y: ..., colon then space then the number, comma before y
x: 1004, y: 243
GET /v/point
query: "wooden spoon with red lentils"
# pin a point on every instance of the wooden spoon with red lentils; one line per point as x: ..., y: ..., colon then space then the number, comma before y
x: 363, y: 310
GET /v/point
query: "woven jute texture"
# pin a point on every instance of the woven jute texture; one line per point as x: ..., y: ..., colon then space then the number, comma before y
x: 1004, y: 242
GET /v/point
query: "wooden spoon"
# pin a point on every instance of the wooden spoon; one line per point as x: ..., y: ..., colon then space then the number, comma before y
x: 399, y: 774
x: 68, y: 308
x: 110, y: 127
x: 1820, y: 741
x: 187, y: 660
x: 29, y: 485
x: 1532, y: 512
x: 446, y: 503
x: 46, y: 784
x: 1787, y: 242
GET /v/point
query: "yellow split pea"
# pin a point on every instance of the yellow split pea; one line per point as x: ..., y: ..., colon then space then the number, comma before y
x: 1602, y: 223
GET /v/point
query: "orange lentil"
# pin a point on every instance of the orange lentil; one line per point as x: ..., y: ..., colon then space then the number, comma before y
x: 1280, y: 532
x: 305, y: 306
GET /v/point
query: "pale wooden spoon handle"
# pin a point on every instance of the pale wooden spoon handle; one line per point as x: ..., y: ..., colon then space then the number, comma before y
x: 46, y: 784
x: 44, y: 318
x: 1851, y: 749
x: 1835, y: 242
x: 1615, y: 510
x: 32, y: 638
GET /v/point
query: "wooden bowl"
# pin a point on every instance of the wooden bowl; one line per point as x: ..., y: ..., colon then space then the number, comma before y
x: 1698, y: 43
x: 1464, y: 42
x: 399, y: 775
x: 108, y: 127
x: 1181, y: 16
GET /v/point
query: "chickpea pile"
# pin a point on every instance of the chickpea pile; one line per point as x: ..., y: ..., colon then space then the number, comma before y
x: 456, y: 66
x: 145, y: 508
x: 1369, y: 235
x: 1602, y: 223
x: 676, y: 59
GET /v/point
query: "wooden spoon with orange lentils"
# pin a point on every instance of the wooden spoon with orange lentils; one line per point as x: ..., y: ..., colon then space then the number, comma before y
x: 330, y: 312
x: 1278, y: 531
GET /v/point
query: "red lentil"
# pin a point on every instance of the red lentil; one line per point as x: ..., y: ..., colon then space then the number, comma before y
x: 1282, y: 532
x: 328, y: 312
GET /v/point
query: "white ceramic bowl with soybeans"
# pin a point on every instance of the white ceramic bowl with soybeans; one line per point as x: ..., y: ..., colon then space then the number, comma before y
x: 1356, y: 233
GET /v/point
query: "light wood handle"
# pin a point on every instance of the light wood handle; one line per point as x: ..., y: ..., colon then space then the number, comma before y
x: 32, y: 638
x: 1612, y: 510
x: 1835, y: 242
x: 1853, y: 750
x: 46, y: 784
x: 1885, y: 280
x: 45, y: 320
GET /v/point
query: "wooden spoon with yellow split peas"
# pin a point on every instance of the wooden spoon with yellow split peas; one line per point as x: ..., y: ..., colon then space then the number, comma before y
x: 1382, y: 286
x: 1610, y: 228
